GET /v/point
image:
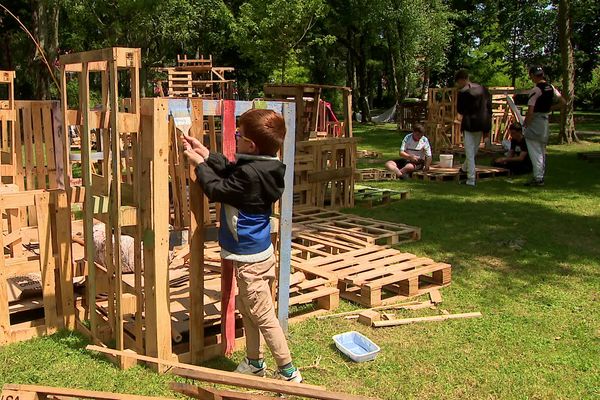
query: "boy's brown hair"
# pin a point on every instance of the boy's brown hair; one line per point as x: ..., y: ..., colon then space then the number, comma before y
x: 265, y: 128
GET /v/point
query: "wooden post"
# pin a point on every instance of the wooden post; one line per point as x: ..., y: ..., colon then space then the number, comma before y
x: 155, y: 221
x: 285, y: 221
x: 348, y: 112
x: 196, y: 235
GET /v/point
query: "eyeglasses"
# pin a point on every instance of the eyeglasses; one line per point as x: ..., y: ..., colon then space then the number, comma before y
x: 239, y: 136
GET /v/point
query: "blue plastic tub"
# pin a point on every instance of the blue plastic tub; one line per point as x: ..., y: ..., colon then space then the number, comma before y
x: 356, y: 346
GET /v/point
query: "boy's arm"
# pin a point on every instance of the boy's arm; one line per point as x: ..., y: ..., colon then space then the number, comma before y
x: 230, y: 189
x: 219, y: 163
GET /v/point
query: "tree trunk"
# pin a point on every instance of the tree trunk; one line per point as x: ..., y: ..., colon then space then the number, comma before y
x: 565, y: 33
x: 394, y: 82
x: 363, y: 86
x: 425, y: 86
x: 45, y: 20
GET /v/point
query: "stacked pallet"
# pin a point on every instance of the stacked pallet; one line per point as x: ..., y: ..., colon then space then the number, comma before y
x: 374, y: 174
x: 439, y: 174
x: 354, y: 253
x: 324, y: 173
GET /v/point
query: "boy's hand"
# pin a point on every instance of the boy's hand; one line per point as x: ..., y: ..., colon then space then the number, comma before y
x: 190, y: 143
x: 193, y: 157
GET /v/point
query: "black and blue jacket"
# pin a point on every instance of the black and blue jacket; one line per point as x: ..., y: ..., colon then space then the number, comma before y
x: 247, y: 189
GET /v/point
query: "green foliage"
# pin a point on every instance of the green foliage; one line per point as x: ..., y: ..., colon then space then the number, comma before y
x: 267, y: 32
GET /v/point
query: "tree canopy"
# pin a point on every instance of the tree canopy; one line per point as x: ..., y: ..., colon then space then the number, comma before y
x: 386, y: 50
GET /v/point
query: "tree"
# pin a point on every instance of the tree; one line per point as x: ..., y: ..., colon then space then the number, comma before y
x: 268, y: 32
x: 567, y: 126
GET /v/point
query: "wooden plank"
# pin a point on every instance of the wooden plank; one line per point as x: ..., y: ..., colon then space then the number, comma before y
x: 86, y: 174
x: 155, y: 147
x: 198, y: 392
x: 40, y: 162
x: 196, y: 233
x: 285, y: 221
x: 240, y: 380
x: 4, y: 313
x: 76, y: 393
x: 406, y: 321
x: 46, y: 263
x: 62, y: 213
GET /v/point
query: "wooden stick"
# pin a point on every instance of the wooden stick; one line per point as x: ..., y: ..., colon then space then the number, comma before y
x: 406, y: 321
x: 413, y: 305
x: 198, y: 392
x: 234, y: 379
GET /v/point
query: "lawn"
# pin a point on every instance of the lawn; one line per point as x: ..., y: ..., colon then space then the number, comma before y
x: 528, y: 259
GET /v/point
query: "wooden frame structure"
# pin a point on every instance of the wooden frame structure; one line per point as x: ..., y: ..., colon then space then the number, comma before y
x: 126, y: 190
x: 310, y: 120
x: 131, y: 167
x: 443, y: 125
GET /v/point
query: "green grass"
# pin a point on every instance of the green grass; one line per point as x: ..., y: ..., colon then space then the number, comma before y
x: 528, y: 259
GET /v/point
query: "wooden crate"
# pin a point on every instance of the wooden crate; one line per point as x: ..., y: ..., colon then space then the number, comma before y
x: 378, y: 275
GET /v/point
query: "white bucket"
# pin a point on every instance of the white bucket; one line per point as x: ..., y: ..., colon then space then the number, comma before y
x: 446, y: 160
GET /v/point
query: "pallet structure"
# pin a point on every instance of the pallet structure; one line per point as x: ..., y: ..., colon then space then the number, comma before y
x: 163, y: 309
x: 439, y: 174
x: 312, y: 118
x: 324, y: 173
x: 411, y: 113
x: 325, y: 149
x: 372, y: 275
x: 374, y: 174
x: 370, y: 196
x: 197, y: 78
x: 443, y: 125
x: 366, y: 230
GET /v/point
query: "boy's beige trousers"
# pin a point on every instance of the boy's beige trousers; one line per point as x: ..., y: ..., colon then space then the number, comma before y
x: 255, y: 303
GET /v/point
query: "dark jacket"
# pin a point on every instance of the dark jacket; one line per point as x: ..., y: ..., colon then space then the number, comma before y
x: 247, y: 188
x: 474, y: 102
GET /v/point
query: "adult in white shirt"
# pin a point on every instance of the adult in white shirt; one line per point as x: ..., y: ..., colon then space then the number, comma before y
x: 415, y: 152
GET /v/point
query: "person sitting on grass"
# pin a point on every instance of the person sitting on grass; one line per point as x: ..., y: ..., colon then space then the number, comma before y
x: 517, y: 161
x: 415, y: 152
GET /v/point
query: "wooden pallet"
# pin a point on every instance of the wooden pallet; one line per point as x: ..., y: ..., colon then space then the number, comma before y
x: 378, y: 275
x: 439, y: 174
x: 589, y: 155
x: 370, y: 230
x: 367, y: 154
x: 374, y: 174
x: 370, y: 196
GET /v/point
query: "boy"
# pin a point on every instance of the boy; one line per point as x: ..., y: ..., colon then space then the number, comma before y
x: 415, y: 152
x: 542, y: 99
x: 474, y: 104
x: 247, y: 189
x: 518, y: 161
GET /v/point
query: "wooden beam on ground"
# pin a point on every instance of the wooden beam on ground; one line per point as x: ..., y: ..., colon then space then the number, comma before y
x: 77, y: 393
x: 413, y: 305
x: 235, y: 379
x: 198, y: 392
x: 406, y: 321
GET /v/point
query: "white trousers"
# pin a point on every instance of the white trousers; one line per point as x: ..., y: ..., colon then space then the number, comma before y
x: 537, y: 154
x: 471, y: 141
